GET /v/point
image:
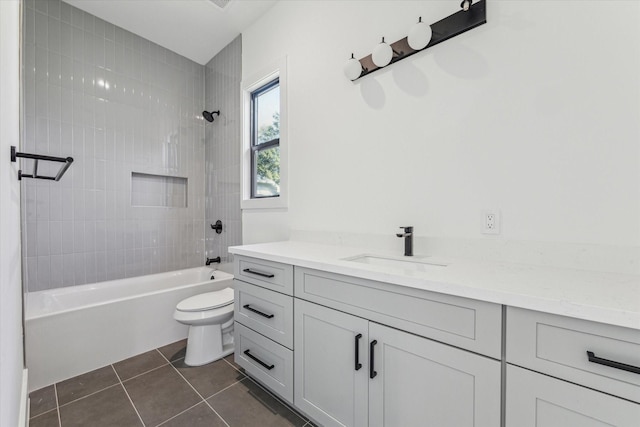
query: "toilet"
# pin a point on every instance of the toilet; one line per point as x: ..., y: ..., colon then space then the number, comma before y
x: 210, y: 320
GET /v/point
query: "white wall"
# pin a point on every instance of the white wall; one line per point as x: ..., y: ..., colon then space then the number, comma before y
x: 10, y: 278
x: 535, y: 113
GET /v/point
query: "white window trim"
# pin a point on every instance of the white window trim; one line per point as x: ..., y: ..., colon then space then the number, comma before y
x: 277, y: 70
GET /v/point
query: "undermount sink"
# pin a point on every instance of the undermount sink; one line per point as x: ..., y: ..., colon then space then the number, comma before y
x: 406, y: 263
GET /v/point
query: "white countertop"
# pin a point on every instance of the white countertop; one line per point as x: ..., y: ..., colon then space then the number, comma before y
x: 601, y: 297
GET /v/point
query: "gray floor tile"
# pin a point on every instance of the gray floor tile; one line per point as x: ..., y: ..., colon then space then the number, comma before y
x: 210, y: 378
x: 230, y: 359
x: 49, y: 419
x: 85, y: 384
x: 160, y: 394
x: 246, y: 404
x: 139, y: 364
x: 198, y: 416
x: 174, y: 351
x: 107, y: 408
x: 42, y: 400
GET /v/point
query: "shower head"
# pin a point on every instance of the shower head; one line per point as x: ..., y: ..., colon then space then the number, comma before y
x: 209, y: 115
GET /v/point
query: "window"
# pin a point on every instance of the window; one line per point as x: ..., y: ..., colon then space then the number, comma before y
x: 265, y: 138
x: 265, y: 141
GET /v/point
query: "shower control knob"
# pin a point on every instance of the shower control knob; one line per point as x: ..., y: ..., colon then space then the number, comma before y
x: 217, y: 226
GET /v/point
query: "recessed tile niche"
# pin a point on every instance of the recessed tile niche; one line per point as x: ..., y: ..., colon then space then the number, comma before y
x: 158, y: 191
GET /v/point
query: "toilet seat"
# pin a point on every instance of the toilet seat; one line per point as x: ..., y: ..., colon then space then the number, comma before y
x: 206, y: 301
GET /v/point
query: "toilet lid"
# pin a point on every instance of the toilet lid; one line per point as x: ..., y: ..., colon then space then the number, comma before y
x: 207, y: 301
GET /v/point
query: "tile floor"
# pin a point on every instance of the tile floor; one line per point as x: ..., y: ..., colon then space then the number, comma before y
x: 157, y: 389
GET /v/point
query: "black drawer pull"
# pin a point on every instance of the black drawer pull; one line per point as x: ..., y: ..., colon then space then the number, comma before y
x: 358, y: 364
x: 612, y: 364
x: 269, y: 367
x: 258, y: 273
x: 372, y: 372
x: 248, y: 307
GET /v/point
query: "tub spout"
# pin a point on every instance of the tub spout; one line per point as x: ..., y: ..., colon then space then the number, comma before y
x: 210, y: 260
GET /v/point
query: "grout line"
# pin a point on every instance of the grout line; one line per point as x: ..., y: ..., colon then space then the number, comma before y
x: 88, y: 395
x: 129, y: 397
x: 143, y: 373
x: 198, y: 393
x: 43, y: 413
x: 55, y: 389
x: 177, y: 415
x: 232, y: 365
x: 227, y: 387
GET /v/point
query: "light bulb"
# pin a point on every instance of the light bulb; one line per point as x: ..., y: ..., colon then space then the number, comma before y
x: 352, y: 68
x: 419, y: 35
x: 382, y: 54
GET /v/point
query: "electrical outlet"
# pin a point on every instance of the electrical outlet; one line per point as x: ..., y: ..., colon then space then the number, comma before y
x: 491, y: 221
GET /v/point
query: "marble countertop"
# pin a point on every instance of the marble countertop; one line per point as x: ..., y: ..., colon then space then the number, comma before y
x: 601, y: 297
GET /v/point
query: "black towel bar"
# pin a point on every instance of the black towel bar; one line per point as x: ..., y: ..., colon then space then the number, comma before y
x: 36, y: 157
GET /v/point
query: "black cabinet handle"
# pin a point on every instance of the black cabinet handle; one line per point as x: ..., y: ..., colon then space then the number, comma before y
x: 269, y: 367
x: 248, y: 307
x: 372, y: 372
x: 612, y: 363
x: 258, y: 273
x: 358, y: 364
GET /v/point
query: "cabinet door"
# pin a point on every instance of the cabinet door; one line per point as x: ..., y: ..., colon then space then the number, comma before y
x: 328, y: 387
x: 420, y: 382
x: 536, y: 400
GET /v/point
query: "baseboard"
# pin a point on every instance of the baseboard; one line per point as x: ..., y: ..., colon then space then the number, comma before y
x: 23, y: 420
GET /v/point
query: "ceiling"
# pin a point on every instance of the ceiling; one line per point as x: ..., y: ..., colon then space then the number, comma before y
x: 196, y: 29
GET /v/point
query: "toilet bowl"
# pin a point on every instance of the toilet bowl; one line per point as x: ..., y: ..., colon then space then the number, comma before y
x: 210, y: 320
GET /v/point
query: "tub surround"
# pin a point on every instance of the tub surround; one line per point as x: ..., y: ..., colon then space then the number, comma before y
x: 601, y: 297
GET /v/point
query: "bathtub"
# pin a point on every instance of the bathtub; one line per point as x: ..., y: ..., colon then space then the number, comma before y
x: 70, y: 331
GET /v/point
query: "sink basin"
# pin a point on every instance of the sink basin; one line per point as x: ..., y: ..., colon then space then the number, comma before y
x: 406, y: 263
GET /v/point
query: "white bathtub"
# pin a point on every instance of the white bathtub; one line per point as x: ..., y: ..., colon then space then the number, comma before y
x: 70, y: 331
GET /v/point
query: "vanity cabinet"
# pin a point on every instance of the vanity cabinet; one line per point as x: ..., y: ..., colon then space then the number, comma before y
x: 349, y: 351
x: 350, y: 371
x: 263, y: 332
x: 331, y: 370
x: 578, y: 373
x: 536, y: 400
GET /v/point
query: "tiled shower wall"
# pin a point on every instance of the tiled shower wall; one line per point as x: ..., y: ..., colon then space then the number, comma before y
x: 223, y: 138
x: 118, y: 104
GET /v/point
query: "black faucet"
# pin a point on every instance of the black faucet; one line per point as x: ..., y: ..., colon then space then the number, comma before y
x: 408, y: 240
x: 210, y: 260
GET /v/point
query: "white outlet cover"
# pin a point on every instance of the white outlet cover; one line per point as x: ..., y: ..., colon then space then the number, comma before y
x: 487, y: 225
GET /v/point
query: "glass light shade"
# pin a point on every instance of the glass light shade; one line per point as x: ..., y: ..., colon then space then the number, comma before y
x: 382, y: 54
x: 352, y: 68
x: 419, y: 36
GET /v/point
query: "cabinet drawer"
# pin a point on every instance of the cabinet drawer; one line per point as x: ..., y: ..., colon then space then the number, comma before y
x: 536, y: 400
x: 466, y: 323
x: 268, y: 274
x: 266, y: 361
x: 267, y: 312
x: 558, y: 346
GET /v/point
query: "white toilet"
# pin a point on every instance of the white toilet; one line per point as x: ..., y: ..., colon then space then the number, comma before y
x: 210, y: 320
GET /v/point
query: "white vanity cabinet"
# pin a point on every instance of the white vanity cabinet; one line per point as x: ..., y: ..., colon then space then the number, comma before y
x: 349, y: 351
x: 357, y: 361
x: 263, y: 332
x: 328, y: 385
x: 578, y: 373
x: 353, y: 372
x: 536, y: 400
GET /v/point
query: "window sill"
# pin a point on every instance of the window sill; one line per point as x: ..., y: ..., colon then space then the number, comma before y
x: 265, y: 203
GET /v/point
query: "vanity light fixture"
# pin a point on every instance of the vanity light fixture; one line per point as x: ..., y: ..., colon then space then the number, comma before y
x: 421, y: 36
x: 382, y: 54
x: 353, y: 68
